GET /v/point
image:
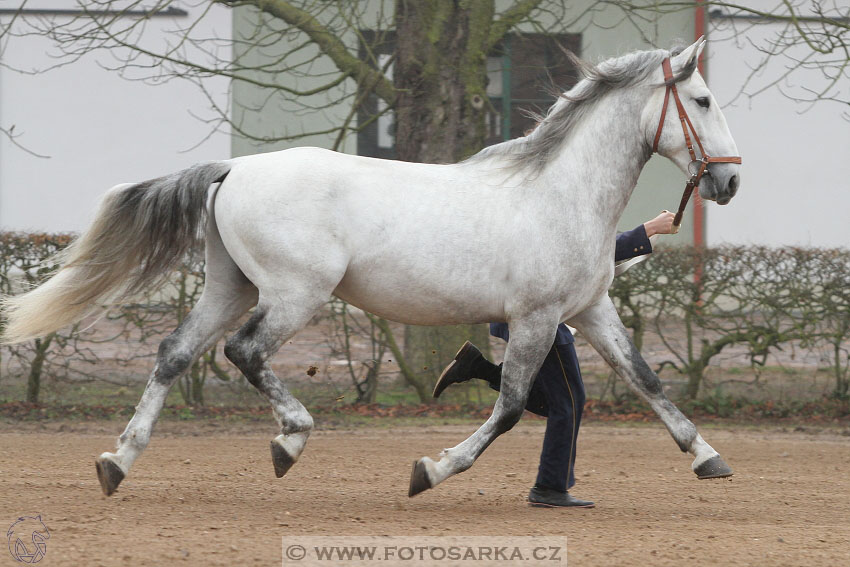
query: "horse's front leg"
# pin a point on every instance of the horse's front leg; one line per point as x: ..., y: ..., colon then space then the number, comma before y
x: 530, y: 339
x: 602, y: 327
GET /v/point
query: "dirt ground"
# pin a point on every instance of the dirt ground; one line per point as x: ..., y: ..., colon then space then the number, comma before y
x: 205, y: 494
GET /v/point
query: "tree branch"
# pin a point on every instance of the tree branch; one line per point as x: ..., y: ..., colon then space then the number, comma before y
x: 510, y: 18
x: 327, y: 41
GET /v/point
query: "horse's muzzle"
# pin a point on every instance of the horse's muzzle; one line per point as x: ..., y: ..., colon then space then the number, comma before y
x: 720, y: 182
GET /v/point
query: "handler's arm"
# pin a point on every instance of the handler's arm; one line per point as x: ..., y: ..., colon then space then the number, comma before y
x: 636, y: 242
x: 662, y: 224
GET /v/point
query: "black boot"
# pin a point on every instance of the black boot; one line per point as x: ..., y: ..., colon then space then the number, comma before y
x: 468, y: 363
x: 543, y: 497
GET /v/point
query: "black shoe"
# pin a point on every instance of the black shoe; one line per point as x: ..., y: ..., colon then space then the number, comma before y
x: 465, y: 366
x: 548, y: 498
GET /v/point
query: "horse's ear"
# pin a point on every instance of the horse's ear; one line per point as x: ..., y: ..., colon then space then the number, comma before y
x: 689, y: 55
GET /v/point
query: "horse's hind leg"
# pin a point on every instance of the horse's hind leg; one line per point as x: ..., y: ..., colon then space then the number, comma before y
x: 530, y: 340
x: 251, y: 348
x: 199, y: 331
x: 227, y: 296
x: 602, y: 327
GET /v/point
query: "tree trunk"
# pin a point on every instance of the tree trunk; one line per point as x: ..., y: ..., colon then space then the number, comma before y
x: 695, y: 372
x: 198, y: 380
x: 842, y: 381
x: 440, y: 74
x: 694, y: 367
x: 192, y: 385
x: 370, y: 387
x: 34, y: 379
x: 428, y: 350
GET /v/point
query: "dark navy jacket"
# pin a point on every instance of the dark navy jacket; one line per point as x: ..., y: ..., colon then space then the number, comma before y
x: 629, y: 244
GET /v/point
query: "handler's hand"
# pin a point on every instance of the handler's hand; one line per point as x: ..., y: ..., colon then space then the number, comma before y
x: 662, y: 224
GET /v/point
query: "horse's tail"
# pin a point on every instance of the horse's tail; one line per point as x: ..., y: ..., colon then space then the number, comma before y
x: 141, y: 232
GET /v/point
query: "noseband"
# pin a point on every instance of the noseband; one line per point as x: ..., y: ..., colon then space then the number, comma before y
x: 702, y: 167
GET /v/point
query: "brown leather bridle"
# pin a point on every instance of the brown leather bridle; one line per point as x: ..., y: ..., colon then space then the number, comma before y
x: 693, y: 182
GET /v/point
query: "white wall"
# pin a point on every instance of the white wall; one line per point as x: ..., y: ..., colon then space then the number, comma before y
x: 796, y: 165
x: 98, y: 128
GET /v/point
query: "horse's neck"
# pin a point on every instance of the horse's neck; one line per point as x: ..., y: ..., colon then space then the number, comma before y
x: 605, y: 156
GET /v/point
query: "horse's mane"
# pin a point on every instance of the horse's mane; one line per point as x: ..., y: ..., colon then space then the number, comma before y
x: 532, y: 152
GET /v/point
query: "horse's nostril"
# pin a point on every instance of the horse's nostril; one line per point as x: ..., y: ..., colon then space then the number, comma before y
x: 733, y: 185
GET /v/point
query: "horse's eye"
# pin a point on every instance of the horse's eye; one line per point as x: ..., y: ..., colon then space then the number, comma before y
x: 703, y: 101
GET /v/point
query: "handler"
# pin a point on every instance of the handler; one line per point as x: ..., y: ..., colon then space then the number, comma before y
x: 558, y: 391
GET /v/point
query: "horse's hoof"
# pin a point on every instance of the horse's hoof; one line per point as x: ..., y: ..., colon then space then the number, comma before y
x: 419, y: 481
x: 109, y: 474
x: 715, y: 467
x: 281, y: 458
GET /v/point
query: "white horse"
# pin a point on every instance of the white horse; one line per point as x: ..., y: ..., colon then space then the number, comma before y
x: 522, y: 232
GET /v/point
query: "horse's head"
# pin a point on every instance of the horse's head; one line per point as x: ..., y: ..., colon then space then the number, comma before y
x: 688, y: 115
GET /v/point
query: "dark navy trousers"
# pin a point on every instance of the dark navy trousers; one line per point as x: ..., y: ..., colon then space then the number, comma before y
x: 558, y: 394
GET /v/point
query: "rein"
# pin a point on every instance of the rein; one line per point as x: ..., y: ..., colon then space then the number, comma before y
x: 702, y: 169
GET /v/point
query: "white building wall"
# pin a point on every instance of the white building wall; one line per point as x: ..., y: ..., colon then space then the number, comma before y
x: 796, y: 172
x: 98, y: 128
